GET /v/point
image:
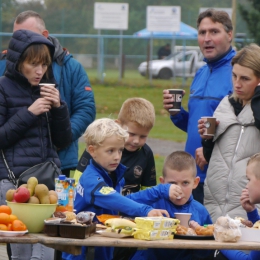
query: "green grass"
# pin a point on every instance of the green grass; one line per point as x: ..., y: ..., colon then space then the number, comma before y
x: 110, y: 95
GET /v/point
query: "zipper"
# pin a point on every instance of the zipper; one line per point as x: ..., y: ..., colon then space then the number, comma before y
x: 231, y: 170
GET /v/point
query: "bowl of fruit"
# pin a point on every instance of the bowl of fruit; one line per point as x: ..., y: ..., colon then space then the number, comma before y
x: 32, y: 204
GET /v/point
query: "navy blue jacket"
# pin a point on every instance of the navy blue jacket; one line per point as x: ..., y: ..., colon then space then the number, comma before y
x: 24, y: 136
x: 74, y: 86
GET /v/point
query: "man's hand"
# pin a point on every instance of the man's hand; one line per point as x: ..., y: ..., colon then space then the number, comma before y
x: 158, y: 213
x: 168, y: 101
x: 199, y: 158
x: 245, y: 201
x: 175, y: 193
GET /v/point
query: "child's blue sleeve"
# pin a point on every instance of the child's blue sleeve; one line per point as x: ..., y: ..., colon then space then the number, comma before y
x: 151, y: 195
x: 253, y: 216
x: 108, y: 198
x: 239, y: 255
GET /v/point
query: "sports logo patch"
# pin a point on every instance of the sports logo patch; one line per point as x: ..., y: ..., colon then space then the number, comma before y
x: 107, y: 190
x: 88, y: 88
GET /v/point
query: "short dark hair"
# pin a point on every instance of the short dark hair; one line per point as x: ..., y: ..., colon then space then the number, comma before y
x: 20, y: 18
x: 217, y: 17
x: 179, y: 161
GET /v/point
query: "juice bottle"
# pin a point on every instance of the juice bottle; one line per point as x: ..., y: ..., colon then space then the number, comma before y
x: 71, y: 191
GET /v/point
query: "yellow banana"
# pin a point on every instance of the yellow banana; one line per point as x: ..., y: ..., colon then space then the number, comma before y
x: 117, y: 223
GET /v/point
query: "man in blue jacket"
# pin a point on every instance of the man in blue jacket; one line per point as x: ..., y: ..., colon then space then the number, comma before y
x: 73, y: 85
x: 211, y: 83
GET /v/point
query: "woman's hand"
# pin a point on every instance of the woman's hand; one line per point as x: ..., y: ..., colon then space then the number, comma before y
x: 39, y: 106
x: 245, y: 201
x: 52, y: 94
x: 158, y: 213
x: 175, y: 193
x: 202, y: 128
x: 168, y: 101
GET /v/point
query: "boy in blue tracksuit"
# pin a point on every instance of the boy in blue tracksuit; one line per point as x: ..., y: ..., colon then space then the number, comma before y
x: 249, y: 197
x: 100, y: 185
x: 180, y: 169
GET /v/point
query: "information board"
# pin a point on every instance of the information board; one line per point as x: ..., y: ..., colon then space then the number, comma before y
x: 111, y: 16
x: 163, y: 18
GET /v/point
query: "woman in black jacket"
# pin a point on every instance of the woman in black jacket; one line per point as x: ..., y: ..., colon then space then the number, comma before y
x: 24, y: 111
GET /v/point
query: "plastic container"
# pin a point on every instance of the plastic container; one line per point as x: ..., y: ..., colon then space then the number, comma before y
x: 69, y: 230
x: 65, y: 188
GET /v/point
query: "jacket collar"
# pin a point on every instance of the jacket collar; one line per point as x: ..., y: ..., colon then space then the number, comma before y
x: 120, y: 170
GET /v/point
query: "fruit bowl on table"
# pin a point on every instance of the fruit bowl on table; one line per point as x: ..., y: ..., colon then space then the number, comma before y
x: 32, y: 215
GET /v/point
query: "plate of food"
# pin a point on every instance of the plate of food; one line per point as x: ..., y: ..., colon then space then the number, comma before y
x: 197, y: 232
x: 4, y: 233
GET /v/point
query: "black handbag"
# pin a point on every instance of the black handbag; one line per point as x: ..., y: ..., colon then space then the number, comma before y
x: 45, y: 172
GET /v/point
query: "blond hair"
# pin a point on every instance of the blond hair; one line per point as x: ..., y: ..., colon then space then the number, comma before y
x: 137, y: 110
x: 255, y: 159
x: 180, y: 161
x: 248, y: 57
x: 101, y: 129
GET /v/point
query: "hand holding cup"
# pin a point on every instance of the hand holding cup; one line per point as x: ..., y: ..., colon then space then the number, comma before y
x: 172, y: 100
x: 50, y: 93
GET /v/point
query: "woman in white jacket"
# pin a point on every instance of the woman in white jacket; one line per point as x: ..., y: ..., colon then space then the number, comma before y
x: 237, y: 137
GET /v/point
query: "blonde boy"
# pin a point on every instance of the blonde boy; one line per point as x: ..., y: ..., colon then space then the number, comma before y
x: 99, y: 187
x: 180, y: 169
x: 137, y: 116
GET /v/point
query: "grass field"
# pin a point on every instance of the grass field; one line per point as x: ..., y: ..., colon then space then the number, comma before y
x: 110, y: 95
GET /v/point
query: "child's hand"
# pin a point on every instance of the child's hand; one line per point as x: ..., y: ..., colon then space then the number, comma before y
x: 193, y: 224
x: 175, y: 192
x: 158, y: 213
x: 245, y: 201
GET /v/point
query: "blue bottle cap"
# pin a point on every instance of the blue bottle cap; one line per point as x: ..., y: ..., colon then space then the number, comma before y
x: 62, y: 177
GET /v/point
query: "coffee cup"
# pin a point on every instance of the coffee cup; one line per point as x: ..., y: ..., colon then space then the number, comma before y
x: 210, y: 125
x: 49, y: 85
x: 183, y: 217
x: 177, y: 98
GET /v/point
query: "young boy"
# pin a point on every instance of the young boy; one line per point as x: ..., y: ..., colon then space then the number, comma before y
x: 99, y: 187
x: 249, y: 197
x: 180, y: 169
x: 137, y: 116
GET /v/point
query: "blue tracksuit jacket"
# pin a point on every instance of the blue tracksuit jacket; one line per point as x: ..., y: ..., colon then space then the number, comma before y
x: 94, y: 193
x: 211, y: 83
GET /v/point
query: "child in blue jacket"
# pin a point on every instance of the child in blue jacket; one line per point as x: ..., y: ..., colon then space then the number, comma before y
x: 249, y: 197
x: 179, y: 169
x: 101, y: 183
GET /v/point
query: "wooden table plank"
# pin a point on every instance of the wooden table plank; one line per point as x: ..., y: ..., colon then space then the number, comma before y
x: 97, y: 240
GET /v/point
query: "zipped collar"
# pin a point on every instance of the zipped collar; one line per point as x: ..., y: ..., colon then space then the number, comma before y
x: 120, y: 170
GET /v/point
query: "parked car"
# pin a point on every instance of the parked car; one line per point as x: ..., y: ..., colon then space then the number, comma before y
x: 179, y: 64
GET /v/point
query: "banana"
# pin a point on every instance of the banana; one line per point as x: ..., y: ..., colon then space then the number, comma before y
x: 117, y: 223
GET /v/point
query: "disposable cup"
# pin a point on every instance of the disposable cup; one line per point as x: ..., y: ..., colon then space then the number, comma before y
x: 177, y: 98
x: 210, y: 125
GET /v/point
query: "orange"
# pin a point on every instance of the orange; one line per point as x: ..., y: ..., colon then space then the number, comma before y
x: 13, y: 217
x: 4, y: 218
x: 18, y: 225
x: 9, y: 227
x: 3, y: 227
x: 5, y: 209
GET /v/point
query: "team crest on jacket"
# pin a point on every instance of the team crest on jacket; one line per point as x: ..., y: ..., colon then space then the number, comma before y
x: 107, y: 190
x: 138, y: 170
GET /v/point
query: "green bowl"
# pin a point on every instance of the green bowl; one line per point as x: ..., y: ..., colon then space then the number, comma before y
x: 32, y: 215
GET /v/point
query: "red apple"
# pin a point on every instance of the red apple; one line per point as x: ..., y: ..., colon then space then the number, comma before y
x: 22, y: 195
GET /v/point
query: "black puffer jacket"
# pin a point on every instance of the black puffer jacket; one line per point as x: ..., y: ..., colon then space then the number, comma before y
x: 24, y: 137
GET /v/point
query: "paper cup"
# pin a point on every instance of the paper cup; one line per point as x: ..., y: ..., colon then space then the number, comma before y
x: 184, y: 218
x: 210, y: 125
x: 177, y: 98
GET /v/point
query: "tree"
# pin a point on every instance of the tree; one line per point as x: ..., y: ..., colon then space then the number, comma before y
x: 250, y: 15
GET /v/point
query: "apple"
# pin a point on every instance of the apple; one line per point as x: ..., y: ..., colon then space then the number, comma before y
x: 22, y: 195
